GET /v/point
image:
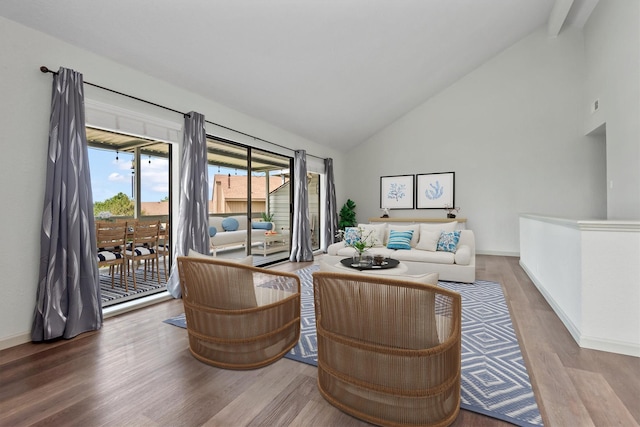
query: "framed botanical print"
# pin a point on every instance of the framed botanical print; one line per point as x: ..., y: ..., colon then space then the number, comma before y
x: 396, y: 192
x: 435, y: 190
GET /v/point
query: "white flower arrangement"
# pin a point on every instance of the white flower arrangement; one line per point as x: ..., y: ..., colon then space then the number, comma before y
x: 357, y: 238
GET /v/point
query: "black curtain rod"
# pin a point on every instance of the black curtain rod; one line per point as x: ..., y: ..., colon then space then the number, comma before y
x: 44, y: 69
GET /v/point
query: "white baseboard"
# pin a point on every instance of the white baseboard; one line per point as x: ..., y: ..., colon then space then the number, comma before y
x: 15, y: 340
x: 571, y: 327
x: 610, y: 346
x: 107, y: 312
x: 498, y: 253
x: 593, y: 343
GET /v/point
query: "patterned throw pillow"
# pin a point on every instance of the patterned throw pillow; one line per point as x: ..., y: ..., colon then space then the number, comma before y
x: 448, y: 241
x: 400, y: 239
x: 351, y: 235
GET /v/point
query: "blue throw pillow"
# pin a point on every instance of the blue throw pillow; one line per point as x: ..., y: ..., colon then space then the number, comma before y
x: 351, y: 235
x: 261, y: 225
x: 230, y: 224
x: 400, y: 239
x: 448, y: 241
x: 212, y: 231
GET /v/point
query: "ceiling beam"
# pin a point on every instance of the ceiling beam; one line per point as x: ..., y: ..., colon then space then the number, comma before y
x: 557, y: 17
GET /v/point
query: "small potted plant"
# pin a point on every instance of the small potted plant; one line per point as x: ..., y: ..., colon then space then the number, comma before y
x: 451, y: 211
x: 268, y: 217
x: 347, y: 215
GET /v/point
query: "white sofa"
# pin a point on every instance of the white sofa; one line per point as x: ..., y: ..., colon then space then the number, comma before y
x: 458, y: 266
x: 223, y: 238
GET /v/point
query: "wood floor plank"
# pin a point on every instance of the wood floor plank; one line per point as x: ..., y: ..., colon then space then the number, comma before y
x: 137, y: 371
x: 565, y: 408
x: 251, y: 403
x: 603, y: 404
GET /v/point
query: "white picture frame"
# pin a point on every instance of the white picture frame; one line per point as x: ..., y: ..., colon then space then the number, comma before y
x: 435, y: 190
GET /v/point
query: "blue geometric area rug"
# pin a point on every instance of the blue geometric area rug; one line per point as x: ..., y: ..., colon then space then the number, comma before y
x: 494, y: 378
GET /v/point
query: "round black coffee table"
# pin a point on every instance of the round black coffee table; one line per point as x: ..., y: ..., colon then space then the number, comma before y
x: 386, y: 264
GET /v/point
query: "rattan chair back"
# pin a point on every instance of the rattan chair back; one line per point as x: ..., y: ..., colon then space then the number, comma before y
x: 238, y: 316
x: 389, y: 350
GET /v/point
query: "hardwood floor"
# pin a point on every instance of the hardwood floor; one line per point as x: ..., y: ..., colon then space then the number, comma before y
x: 137, y: 371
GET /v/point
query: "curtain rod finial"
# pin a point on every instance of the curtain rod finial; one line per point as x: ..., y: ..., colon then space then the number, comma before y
x: 44, y: 69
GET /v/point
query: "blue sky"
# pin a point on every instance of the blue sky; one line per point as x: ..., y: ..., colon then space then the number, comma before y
x: 110, y: 176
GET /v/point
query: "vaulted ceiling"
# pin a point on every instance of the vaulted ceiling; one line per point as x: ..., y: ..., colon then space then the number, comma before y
x: 332, y: 71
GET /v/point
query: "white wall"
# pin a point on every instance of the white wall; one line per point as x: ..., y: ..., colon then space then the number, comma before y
x: 512, y: 131
x: 612, y: 40
x: 589, y: 273
x: 24, y: 117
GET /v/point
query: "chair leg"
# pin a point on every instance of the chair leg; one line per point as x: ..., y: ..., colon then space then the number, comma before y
x: 164, y: 263
x: 124, y: 274
x: 133, y: 273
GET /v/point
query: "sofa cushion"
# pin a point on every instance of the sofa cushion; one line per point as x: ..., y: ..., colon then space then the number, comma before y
x: 414, y: 227
x: 231, y: 237
x: 230, y: 224
x: 442, y: 226
x: 212, y: 231
x: 428, y: 240
x: 400, y: 239
x: 448, y: 241
x: 463, y: 255
x: 348, y: 251
x: 416, y: 255
x: 245, y: 261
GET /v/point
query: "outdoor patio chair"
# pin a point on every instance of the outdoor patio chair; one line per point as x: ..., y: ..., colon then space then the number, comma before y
x: 142, y: 247
x: 389, y: 350
x: 238, y: 316
x: 111, y: 238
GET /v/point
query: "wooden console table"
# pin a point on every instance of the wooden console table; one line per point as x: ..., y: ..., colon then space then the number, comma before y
x: 461, y: 221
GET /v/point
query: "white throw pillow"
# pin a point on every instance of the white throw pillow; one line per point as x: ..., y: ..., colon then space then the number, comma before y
x: 378, y: 232
x: 245, y: 261
x: 428, y: 240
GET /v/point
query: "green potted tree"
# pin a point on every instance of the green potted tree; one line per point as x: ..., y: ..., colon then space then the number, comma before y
x: 347, y: 215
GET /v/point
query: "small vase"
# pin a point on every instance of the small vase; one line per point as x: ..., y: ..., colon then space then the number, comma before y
x: 362, y: 259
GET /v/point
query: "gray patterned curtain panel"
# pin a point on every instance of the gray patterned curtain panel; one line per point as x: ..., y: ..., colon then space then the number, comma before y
x: 68, y: 296
x: 193, y: 216
x: 331, y: 227
x: 301, y: 230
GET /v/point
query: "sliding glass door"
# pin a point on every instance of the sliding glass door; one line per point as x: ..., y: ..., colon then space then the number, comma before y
x: 131, y: 180
x: 250, y: 204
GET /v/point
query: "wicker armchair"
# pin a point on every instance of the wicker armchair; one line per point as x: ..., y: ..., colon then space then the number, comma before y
x: 238, y: 316
x: 389, y: 350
